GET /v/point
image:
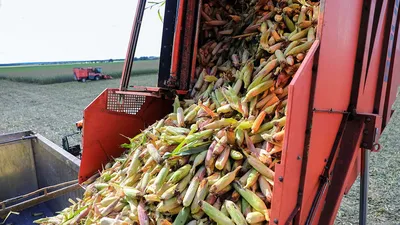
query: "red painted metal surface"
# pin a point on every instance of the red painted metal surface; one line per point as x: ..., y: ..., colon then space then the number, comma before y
x: 395, y: 81
x: 285, y: 193
x: 177, y: 41
x: 371, y: 65
x: 103, y: 126
x: 333, y: 86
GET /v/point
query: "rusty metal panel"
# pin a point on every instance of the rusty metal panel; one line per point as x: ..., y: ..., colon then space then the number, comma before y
x: 17, y: 169
x: 285, y: 193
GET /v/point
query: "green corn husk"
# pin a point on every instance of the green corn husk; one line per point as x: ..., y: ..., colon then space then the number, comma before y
x: 235, y: 213
x: 215, y: 214
x: 179, y: 174
x: 251, y: 198
x: 182, y: 217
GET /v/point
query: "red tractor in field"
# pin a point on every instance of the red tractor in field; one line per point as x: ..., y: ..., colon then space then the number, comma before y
x: 90, y: 73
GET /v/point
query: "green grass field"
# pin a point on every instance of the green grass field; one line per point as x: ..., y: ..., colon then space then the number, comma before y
x: 50, y: 74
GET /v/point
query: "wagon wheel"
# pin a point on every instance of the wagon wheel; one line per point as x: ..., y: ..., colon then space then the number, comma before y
x: 97, y: 77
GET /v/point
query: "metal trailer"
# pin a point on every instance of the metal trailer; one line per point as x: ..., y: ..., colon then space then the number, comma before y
x: 36, y: 177
x: 339, y: 102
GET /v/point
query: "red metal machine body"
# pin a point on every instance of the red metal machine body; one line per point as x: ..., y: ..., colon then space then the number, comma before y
x: 339, y: 102
x: 90, y: 73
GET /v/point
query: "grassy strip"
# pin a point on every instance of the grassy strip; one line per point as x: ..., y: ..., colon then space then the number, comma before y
x: 61, y: 78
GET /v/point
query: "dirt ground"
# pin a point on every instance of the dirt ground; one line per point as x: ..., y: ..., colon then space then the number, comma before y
x: 52, y: 110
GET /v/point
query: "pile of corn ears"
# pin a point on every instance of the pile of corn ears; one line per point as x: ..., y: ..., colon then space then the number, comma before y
x: 212, y: 160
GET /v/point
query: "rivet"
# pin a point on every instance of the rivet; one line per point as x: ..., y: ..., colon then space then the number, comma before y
x: 298, y: 157
x: 276, y: 221
x: 280, y: 178
x: 364, y: 144
x: 368, y: 119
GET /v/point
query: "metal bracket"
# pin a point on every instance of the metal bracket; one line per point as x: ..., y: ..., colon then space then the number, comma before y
x: 371, y: 132
x: 330, y: 111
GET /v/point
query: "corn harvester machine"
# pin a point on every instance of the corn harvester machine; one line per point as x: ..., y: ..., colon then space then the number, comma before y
x: 339, y: 102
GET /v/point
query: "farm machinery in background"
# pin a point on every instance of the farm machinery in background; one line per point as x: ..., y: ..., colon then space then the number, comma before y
x: 90, y: 73
x: 74, y: 150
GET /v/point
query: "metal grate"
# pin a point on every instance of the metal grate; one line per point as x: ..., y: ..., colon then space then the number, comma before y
x: 130, y: 104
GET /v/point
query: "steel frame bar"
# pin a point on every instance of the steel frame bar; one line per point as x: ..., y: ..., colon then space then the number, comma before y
x: 167, y: 43
x: 40, y: 199
x: 130, y: 54
x: 364, y: 186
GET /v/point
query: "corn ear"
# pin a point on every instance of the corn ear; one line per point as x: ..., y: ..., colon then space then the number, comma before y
x: 215, y: 214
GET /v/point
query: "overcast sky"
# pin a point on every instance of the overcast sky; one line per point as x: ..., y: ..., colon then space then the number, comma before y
x: 57, y: 30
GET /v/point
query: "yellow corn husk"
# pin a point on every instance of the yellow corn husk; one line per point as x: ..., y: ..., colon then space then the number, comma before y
x: 311, y: 34
x: 220, y: 123
x: 252, y: 179
x: 210, y: 79
x: 224, y: 109
x: 260, y: 167
x: 152, y: 198
x: 268, y: 68
x: 246, y: 73
x: 236, y: 155
x: 160, y: 179
x: 213, y: 178
x: 265, y: 188
x: 243, y: 179
x: 167, y: 205
x: 200, y: 195
x: 224, y: 181
x: 191, y: 192
x: 183, y: 183
x: 180, y: 117
x: 255, y: 217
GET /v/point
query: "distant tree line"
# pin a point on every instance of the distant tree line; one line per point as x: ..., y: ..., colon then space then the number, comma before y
x: 80, y: 62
